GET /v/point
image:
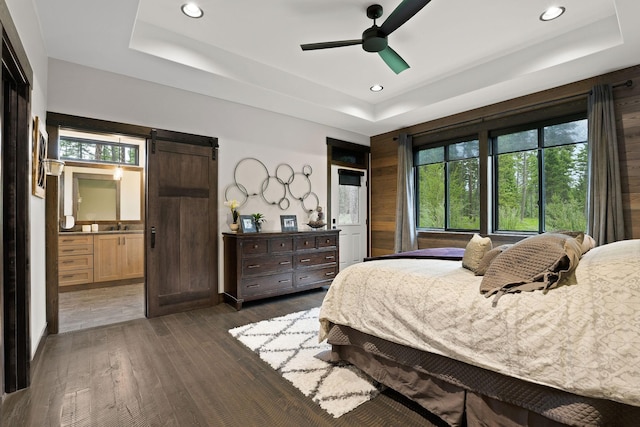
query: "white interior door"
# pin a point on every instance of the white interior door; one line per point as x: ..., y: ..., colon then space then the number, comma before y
x: 349, y: 213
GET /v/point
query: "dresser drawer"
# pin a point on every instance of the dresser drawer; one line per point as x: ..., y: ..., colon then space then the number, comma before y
x: 75, y: 262
x: 315, y: 258
x: 75, y: 277
x: 255, y: 247
x: 281, y: 245
x: 310, y: 277
x: 75, y: 240
x: 306, y: 242
x: 266, y: 265
x: 267, y: 284
x: 64, y: 251
x: 325, y: 241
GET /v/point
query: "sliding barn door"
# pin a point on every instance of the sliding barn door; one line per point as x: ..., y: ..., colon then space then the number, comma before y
x: 181, y: 225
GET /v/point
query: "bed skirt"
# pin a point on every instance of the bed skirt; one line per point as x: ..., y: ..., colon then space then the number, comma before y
x: 461, y: 394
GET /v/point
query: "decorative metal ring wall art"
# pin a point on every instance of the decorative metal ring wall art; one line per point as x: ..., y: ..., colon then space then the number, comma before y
x: 277, y: 189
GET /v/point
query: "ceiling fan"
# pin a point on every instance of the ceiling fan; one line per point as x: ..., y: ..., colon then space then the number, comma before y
x: 374, y: 39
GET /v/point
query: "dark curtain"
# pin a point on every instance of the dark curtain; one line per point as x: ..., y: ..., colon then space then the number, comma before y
x: 606, y: 222
x: 406, y: 238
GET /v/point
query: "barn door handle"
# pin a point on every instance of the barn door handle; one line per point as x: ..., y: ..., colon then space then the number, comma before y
x: 153, y: 237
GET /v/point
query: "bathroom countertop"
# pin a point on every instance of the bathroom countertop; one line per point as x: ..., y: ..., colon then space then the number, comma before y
x: 103, y: 232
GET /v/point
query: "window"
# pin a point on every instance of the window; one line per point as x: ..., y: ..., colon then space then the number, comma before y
x: 448, y: 186
x: 540, y: 178
x: 96, y: 151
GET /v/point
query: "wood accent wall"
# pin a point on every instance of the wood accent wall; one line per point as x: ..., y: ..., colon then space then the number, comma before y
x: 384, y: 158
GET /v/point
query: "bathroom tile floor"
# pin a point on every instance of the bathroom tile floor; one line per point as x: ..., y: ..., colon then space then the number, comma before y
x: 96, y: 307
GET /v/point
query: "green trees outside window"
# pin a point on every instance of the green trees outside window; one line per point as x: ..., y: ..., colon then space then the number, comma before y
x: 538, y: 177
x: 72, y: 148
x: 541, y: 178
x: 448, y: 186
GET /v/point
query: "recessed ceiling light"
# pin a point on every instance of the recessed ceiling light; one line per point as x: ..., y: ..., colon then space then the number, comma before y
x: 192, y: 10
x: 552, y: 13
x: 376, y: 88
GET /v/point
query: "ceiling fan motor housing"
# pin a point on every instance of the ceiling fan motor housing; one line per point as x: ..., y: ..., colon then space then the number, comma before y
x: 374, y: 40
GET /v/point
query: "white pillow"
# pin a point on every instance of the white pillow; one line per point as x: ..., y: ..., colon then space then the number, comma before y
x: 474, y: 252
x: 588, y: 243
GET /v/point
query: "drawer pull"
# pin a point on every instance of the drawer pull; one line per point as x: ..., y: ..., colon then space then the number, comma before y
x: 304, y: 277
x: 255, y: 246
x: 68, y: 250
x: 284, y: 281
x: 282, y: 245
x: 331, y: 273
x: 330, y: 257
x: 306, y: 242
x: 255, y: 285
x: 67, y: 276
x: 328, y: 241
x: 253, y: 266
x: 285, y: 262
x: 305, y: 260
x: 67, y: 261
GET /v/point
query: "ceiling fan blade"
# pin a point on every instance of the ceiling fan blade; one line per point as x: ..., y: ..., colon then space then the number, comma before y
x: 402, y: 14
x: 328, y: 45
x: 393, y: 60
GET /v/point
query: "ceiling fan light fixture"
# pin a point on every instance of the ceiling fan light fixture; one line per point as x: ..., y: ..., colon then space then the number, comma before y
x: 192, y: 10
x: 552, y: 13
x: 376, y: 88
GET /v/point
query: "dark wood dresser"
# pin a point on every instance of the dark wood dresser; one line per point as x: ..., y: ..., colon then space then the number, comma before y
x: 262, y: 265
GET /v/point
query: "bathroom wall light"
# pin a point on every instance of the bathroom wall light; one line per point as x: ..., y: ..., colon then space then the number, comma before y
x: 117, y: 173
x: 552, y: 13
x: 192, y: 10
x: 53, y: 167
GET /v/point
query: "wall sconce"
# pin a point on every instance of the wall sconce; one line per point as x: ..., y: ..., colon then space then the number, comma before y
x: 117, y: 173
x: 53, y: 167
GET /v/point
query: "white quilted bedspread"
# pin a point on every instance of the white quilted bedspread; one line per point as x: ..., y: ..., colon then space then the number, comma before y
x: 583, y: 338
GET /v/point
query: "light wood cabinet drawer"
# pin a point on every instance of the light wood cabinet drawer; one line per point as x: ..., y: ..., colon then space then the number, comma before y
x: 64, y: 251
x: 75, y: 240
x: 75, y: 277
x: 75, y: 262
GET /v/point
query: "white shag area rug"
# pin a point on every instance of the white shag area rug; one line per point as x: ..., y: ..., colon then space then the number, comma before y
x: 289, y: 344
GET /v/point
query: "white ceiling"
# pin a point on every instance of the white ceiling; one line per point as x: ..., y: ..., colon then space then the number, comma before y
x: 463, y: 54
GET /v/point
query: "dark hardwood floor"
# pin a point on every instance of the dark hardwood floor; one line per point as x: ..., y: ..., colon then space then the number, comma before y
x: 181, y: 370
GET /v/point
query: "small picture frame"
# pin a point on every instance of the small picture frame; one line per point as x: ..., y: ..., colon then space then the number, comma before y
x: 38, y: 179
x: 247, y: 225
x: 289, y: 222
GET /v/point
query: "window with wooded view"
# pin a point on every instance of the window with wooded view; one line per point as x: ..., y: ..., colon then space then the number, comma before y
x: 72, y: 148
x: 448, y: 186
x: 541, y: 178
x: 538, y: 176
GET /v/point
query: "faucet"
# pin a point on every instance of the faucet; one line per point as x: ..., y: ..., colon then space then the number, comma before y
x: 119, y: 226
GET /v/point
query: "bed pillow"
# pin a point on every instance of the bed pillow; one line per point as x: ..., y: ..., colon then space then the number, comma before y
x: 588, y: 243
x: 488, y: 258
x: 475, y: 251
x: 540, y: 262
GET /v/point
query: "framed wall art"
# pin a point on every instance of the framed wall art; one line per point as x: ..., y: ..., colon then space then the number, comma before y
x: 247, y: 225
x: 289, y: 223
x: 38, y: 178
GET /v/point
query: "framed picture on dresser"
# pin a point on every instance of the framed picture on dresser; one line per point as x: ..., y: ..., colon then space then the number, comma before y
x: 288, y: 223
x: 247, y: 225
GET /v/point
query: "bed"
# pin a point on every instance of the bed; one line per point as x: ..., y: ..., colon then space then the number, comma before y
x: 564, y: 354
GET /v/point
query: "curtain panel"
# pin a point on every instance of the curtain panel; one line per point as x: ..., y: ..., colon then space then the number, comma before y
x: 605, y: 217
x: 406, y: 238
